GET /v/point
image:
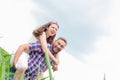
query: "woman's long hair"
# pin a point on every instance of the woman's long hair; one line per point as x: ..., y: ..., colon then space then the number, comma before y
x: 37, y: 32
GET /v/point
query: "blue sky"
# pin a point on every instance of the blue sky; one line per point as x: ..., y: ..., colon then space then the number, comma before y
x: 80, y: 21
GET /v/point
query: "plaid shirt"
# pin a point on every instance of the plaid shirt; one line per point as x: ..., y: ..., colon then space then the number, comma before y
x: 36, y: 60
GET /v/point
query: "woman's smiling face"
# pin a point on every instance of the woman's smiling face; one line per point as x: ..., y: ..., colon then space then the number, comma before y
x: 52, y: 29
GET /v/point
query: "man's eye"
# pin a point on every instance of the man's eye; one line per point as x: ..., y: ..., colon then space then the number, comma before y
x: 62, y: 46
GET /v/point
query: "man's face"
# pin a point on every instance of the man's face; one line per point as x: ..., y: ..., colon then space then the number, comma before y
x: 58, y: 45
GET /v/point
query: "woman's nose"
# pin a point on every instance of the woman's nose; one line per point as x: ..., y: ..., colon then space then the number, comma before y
x: 55, y: 31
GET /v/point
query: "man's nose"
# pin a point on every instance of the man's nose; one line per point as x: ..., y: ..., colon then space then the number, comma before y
x: 59, y: 47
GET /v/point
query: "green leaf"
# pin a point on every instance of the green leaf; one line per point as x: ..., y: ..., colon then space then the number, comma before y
x: 4, y: 64
x: 44, y: 78
x: 48, y: 65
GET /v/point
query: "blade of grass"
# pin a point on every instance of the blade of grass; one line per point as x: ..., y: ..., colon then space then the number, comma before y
x: 1, y: 37
x: 48, y: 65
x: 44, y: 78
x: 104, y: 77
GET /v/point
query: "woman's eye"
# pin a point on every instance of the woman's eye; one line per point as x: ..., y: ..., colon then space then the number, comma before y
x: 54, y: 28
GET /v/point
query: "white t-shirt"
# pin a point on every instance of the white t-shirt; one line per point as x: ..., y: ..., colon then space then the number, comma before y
x: 22, y: 61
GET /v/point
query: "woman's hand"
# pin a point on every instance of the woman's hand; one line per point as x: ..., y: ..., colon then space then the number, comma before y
x: 55, y: 67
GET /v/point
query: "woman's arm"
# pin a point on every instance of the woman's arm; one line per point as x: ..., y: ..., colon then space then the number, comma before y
x: 19, y: 51
x: 54, y: 66
x: 43, y: 42
x: 57, y: 57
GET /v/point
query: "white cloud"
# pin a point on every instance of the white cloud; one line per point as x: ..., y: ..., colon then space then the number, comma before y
x: 106, y: 56
x: 16, y: 24
x: 71, y: 69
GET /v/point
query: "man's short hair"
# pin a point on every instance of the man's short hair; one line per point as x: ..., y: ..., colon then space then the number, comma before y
x: 62, y: 38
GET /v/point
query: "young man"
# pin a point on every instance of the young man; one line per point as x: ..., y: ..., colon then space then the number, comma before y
x: 37, y: 58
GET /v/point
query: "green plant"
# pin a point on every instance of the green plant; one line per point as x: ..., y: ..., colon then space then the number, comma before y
x: 5, y: 66
x: 104, y: 77
x: 48, y: 65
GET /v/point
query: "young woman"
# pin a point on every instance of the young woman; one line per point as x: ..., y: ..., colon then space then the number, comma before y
x: 45, y: 34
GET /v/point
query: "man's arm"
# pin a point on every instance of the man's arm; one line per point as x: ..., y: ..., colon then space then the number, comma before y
x: 19, y: 51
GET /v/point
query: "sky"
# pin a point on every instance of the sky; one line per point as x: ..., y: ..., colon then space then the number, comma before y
x: 90, y: 26
x: 81, y: 21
